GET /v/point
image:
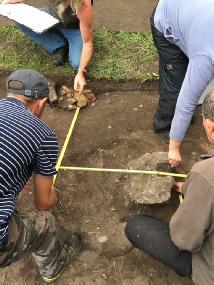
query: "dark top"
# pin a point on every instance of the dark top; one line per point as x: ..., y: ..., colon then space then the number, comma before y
x: 67, y: 18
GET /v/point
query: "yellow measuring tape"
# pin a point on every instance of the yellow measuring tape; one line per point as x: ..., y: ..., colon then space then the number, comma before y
x: 124, y: 171
x: 129, y: 171
x: 59, y: 161
x: 66, y: 142
x: 180, y: 198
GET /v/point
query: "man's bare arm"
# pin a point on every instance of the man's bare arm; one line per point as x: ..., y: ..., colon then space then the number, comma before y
x: 44, y: 193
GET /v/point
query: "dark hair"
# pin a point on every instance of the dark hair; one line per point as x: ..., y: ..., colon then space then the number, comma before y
x: 208, y: 106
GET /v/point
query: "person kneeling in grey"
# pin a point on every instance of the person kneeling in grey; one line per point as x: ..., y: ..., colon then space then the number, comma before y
x: 29, y: 146
x: 187, y: 243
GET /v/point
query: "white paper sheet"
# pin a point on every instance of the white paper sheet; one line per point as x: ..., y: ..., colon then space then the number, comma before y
x: 29, y: 16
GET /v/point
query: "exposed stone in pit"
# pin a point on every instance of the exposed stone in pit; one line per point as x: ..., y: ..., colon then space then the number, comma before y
x: 149, y: 189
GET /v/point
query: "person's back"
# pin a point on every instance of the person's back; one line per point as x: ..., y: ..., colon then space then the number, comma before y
x: 182, y: 33
x: 197, y: 216
x: 29, y: 148
x: 187, y: 24
x: 22, y: 146
x: 205, y: 270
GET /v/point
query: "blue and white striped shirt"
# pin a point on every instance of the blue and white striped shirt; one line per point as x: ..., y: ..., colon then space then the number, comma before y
x: 27, y: 145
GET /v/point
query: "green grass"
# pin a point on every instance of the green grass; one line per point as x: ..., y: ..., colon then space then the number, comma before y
x: 117, y: 55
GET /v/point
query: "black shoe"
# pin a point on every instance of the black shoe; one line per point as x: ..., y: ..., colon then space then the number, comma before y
x: 59, y: 55
x: 193, y: 119
x: 72, y: 246
x: 165, y: 136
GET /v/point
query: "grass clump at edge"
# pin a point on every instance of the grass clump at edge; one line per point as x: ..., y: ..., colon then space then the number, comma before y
x: 117, y: 55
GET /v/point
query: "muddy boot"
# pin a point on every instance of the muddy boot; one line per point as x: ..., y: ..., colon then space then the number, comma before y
x: 72, y: 246
x: 59, y: 55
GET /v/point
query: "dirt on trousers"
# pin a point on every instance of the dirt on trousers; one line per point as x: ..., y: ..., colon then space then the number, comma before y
x: 108, y: 134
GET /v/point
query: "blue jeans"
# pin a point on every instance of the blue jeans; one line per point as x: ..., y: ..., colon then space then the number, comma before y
x: 55, y: 38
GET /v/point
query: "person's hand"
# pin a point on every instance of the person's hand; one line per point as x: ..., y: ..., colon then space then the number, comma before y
x: 174, y: 157
x: 79, y: 82
x: 27, y: 187
x: 179, y: 186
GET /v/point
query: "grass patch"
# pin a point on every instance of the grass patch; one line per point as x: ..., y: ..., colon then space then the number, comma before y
x: 117, y: 55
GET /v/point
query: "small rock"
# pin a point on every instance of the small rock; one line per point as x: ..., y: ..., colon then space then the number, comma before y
x: 90, y: 96
x: 82, y: 101
x: 62, y: 92
x: 102, y: 239
x: 65, y: 89
x: 71, y: 107
x: 52, y: 95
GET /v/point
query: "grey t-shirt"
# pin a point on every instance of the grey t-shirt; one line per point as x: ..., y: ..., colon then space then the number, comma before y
x: 189, y: 25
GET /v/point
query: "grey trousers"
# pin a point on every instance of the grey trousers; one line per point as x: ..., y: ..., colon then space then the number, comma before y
x: 35, y: 233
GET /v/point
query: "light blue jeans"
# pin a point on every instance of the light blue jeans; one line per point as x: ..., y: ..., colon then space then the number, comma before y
x: 55, y: 38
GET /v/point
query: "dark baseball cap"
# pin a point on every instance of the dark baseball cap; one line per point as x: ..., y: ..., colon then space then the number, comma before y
x: 35, y: 84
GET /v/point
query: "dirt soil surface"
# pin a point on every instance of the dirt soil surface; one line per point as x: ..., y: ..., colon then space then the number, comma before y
x: 108, y: 134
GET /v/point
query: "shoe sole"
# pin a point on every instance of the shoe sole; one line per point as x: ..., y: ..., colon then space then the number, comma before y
x: 50, y: 280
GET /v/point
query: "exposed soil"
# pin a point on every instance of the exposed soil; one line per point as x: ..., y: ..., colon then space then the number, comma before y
x: 109, y: 134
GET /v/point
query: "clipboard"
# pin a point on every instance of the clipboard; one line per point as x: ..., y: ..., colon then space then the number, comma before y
x: 29, y: 16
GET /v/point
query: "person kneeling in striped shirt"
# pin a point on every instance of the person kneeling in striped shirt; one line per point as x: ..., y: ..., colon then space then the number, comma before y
x: 29, y: 148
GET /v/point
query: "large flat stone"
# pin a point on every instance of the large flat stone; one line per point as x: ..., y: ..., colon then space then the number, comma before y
x: 149, y: 189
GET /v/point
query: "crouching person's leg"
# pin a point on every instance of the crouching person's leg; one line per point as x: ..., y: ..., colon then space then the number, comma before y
x: 152, y: 236
x: 36, y: 232
x: 46, y: 249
